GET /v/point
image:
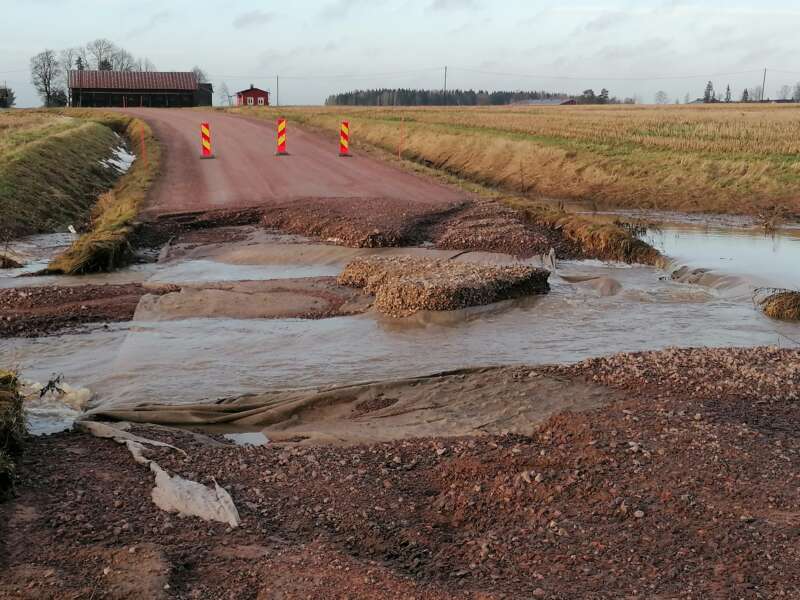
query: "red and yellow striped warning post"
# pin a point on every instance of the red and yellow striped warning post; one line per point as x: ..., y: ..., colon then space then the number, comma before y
x: 344, y: 139
x: 281, y: 151
x: 205, y: 137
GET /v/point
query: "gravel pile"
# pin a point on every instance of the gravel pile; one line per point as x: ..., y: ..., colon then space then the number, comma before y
x: 493, y: 227
x: 701, y: 373
x: 404, y: 285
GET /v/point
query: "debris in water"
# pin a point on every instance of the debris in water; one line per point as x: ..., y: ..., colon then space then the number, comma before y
x: 53, y: 406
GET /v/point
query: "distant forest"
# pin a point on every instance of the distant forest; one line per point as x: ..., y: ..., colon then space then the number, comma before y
x: 407, y: 97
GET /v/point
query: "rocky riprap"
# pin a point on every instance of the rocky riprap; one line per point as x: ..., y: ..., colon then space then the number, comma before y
x: 404, y: 285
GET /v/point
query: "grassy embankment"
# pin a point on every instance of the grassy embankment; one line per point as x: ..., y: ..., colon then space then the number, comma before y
x: 50, y: 171
x: 12, y: 430
x: 105, y: 246
x: 495, y: 163
x: 51, y: 176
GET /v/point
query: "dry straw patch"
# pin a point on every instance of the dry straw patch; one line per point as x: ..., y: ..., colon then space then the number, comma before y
x: 404, y: 285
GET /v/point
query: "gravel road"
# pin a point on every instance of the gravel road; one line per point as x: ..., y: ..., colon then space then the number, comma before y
x: 245, y: 171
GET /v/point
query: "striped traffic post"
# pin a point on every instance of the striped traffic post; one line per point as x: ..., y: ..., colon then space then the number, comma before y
x: 281, y: 138
x: 344, y: 139
x: 205, y: 137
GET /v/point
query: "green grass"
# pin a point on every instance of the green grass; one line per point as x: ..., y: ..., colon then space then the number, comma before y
x: 50, y: 172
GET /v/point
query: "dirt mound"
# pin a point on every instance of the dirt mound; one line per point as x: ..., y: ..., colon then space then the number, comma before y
x: 493, y: 227
x: 404, y: 285
x: 356, y: 222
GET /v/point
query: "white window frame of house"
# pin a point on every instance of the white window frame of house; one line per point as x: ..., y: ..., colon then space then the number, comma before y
x: 261, y: 101
x: 249, y: 101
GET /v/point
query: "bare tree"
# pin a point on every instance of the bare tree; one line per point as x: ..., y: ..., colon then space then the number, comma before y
x: 99, y: 51
x: 756, y: 94
x: 796, y: 94
x: 661, y: 97
x: 69, y: 60
x: 145, y: 64
x: 45, y: 71
x: 122, y: 60
x: 785, y: 93
x: 200, y: 74
x: 224, y: 95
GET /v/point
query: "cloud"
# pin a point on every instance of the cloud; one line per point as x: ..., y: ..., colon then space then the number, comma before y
x: 606, y: 21
x: 453, y: 5
x: 253, y: 17
x: 154, y: 20
x: 338, y: 9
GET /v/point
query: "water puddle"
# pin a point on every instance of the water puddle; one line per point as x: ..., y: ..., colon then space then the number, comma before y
x: 34, y: 252
x: 765, y: 259
x: 202, y: 270
x: 250, y: 438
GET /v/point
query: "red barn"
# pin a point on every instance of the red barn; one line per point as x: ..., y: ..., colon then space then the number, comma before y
x: 252, y: 97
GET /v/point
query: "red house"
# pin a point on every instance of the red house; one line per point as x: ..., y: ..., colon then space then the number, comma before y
x: 252, y: 97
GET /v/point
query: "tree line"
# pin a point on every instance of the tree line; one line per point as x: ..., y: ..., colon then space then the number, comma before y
x: 786, y: 93
x: 421, y: 97
x: 50, y: 69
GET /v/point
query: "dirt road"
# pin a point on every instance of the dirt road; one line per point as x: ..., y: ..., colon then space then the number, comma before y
x: 245, y: 171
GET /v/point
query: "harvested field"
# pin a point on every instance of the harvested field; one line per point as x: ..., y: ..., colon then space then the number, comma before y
x: 686, y: 158
x: 405, y: 285
x: 684, y: 485
x: 36, y: 311
x: 783, y: 305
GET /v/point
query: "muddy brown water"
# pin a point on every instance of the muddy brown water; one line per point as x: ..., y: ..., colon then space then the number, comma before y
x: 593, y: 309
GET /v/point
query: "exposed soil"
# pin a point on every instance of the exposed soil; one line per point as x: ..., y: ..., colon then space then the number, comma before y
x: 683, y: 487
x: 380, y: 222
x: 35, y: 311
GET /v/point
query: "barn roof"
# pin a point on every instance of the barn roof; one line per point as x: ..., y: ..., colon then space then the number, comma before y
x: 133, y: 80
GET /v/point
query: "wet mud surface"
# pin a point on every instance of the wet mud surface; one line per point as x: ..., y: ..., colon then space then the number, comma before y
x: 676, y: 487
x: 36, y: 311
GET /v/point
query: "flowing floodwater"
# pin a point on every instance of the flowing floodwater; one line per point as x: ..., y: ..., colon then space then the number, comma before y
x: 635, y: 308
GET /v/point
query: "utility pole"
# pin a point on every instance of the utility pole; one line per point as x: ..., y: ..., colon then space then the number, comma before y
x: 764, y: 84
x: 277, y: 91
x: 445, y: 85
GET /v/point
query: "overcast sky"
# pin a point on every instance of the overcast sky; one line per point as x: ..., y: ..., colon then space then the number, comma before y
x: 324, y: 46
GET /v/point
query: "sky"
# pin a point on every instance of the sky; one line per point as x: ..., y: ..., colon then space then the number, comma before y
x: 319, y: 47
